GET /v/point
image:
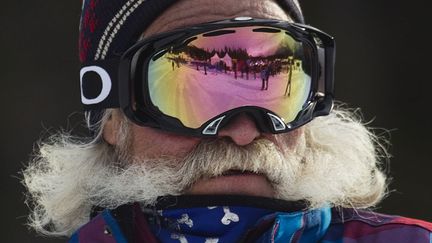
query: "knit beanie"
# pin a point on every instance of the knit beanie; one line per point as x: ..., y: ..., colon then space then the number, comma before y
x: 109, y: 27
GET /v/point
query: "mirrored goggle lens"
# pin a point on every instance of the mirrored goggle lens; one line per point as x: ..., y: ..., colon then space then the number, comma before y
x: 230, y: 68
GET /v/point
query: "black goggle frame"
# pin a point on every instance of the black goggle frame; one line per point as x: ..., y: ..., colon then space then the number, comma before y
x: 128, y: 87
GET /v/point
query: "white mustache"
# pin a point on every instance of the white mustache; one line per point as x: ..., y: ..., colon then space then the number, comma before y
x: 216, y: 157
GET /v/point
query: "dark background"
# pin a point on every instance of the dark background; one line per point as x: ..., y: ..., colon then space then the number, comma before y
x: 383, y: 63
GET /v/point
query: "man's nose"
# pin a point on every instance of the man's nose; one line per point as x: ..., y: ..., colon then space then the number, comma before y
x: 242, y: 130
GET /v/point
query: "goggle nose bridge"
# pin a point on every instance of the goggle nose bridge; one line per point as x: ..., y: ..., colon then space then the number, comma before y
x: 255, y: 114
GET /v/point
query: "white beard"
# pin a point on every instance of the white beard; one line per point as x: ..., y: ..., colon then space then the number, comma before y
x: 145, y: 180
x: 334, y: 162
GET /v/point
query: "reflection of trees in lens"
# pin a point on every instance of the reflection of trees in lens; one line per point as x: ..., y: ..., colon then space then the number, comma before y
x: 197, y: 53
x: 235, y: 58
x: 283, y: 52
x: 306, y: 65
x: 238, y: 53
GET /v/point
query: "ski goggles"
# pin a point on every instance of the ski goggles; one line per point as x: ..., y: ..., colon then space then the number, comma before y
x: 193, y: 81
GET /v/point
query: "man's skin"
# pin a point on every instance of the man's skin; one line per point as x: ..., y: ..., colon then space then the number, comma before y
x: 152, y: 143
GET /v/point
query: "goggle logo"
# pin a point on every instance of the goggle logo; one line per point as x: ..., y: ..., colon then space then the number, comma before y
x: 106, y: 85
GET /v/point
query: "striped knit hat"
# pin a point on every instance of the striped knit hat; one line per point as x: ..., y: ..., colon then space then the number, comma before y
x: 109, y: 27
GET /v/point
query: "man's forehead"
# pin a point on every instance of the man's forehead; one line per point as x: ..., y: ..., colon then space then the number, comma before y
x: 191, y: 12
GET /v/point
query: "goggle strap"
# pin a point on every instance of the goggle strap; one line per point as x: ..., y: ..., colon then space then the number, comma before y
x: 99, y: 84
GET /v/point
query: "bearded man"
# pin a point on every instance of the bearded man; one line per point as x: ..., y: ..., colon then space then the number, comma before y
x: 195, y: 155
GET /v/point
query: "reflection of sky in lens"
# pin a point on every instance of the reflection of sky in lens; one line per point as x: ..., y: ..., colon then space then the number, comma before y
x: 257, y: 43
x: 180, y: 86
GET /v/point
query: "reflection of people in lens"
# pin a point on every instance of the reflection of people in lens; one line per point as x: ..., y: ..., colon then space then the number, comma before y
x: 234, y: 67
x: 290, y: 67
x: 265, y: 74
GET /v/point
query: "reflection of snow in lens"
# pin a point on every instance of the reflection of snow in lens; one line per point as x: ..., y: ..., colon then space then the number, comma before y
x: 214, y: 74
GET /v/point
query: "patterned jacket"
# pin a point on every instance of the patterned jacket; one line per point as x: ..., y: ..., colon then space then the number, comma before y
x: 128, y: 224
